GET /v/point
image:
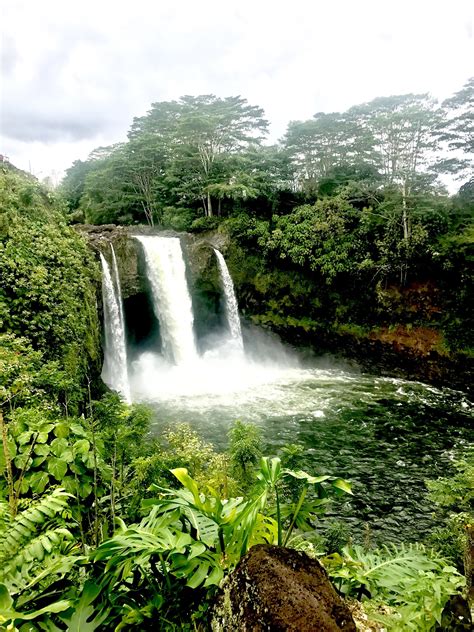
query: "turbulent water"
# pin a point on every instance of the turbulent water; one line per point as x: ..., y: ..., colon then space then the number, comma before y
x: 385, y: 435
x: 114, y: 370
x: 231, y: 307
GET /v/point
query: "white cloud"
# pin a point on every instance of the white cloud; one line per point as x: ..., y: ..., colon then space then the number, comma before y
x: 74, y: 75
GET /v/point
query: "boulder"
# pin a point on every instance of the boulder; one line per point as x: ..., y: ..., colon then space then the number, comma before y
x: 273, y: 589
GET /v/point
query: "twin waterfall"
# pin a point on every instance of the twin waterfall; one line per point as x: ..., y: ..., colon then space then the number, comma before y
x: 231, y: 308
x: 172, y: 305
x: 115, y: 368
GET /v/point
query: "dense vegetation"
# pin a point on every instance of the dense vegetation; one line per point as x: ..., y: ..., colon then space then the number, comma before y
x: 102, y: 526
x: 344, y: 224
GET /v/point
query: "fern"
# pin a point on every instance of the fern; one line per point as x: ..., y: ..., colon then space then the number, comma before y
x: 412, y: 579
x: 22, y: 568
x: 26, y: 525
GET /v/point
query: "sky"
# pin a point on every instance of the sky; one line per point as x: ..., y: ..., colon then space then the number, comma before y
x: 74, y: 74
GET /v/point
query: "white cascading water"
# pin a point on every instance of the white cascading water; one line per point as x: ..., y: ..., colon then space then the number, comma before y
x: 179, y: 373
x: 171, y: 299
x: 118, y: 289
x: 114, y: 370
x: 231, y: 307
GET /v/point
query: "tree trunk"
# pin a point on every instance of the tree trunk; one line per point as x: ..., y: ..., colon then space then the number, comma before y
x: 469, y: 561
x: 405, y: 220
x: 209, y: 205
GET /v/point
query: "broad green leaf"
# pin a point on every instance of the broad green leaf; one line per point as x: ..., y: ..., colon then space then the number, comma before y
x: 301, y: 475
x: 58, y: 446
x: 343, y: 485
x: 82, y: 446
x: 86, y: 618
x: 24, y: 437
x: 39, y: 481
x: 62, y: 430
x: 183, y: 477
x: 42, y: 449
x: 6, y: 602
x: 57, y: 467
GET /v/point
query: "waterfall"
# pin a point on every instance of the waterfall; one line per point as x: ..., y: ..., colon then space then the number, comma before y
x: 114, y: 370
x: 171, y: 298
x: 231, y: 307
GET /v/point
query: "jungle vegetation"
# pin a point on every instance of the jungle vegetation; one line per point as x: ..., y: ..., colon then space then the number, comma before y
x: 347, y: 204
x: 105, y: 528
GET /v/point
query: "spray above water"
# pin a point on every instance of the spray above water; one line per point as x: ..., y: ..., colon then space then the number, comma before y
x: 179, y: 370
x: 114, y: 370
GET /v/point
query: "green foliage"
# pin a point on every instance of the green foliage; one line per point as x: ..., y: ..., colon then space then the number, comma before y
x: 454, y: 497
x: 456, y: 493
x: 317, y: 237
x: 48, y: 278
x: 411, y: 579
x: 245, y: 449
x: 37, y: 550
x: 48, y: 451
x: 457, y: 130
x: 203, y: 224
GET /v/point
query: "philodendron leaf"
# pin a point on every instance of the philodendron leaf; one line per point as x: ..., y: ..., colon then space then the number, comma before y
x: 183, y: 477
x: 85, y: 617
x: 8, y: 612
x: 311, y: 480
x: 6, y: 602
x: 343, y: 485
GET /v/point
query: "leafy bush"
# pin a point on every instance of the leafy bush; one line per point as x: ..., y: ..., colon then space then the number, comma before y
x: 203, y: 224
x: 48, y: 278
x: 454, y: 497
x: 181, y: 219
x: 413, y: 580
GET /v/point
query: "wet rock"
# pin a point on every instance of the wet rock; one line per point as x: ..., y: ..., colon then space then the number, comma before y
x: 278, y: 589
x: 198, y: 249
x: 456, y: 616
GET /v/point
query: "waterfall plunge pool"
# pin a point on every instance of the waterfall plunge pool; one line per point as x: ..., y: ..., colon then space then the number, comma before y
x: 385, y: 435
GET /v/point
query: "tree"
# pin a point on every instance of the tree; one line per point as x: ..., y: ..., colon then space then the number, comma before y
x: 317, y: 146
x: 198, y: 138
x: 456, y: 131
x: 72, y: 186
x: 401, y: 130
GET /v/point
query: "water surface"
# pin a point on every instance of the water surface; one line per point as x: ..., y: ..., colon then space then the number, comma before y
x: 385, y: 435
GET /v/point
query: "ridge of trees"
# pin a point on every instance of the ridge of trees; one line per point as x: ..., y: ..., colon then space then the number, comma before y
x: 204, y: 156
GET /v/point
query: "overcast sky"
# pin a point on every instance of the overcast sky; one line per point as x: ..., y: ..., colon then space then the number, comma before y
x: 74, y: 74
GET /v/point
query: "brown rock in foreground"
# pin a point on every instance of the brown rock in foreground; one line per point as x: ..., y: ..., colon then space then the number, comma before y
x: 276, y: 589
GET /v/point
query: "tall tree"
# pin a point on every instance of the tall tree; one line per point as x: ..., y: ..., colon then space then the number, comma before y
x: 200, y: 137
x: 456, y: 131
x: 402, y: 134
x: 316, y: 146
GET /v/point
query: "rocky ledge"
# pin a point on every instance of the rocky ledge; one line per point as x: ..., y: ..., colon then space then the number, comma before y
x: 277, y: 589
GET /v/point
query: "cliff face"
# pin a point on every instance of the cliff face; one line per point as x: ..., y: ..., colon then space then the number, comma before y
x: 198, y: 251
x: 292, y: 305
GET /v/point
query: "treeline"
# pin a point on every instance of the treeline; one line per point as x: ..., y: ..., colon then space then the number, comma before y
x: 351, y: 201
x: 204, y: 156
